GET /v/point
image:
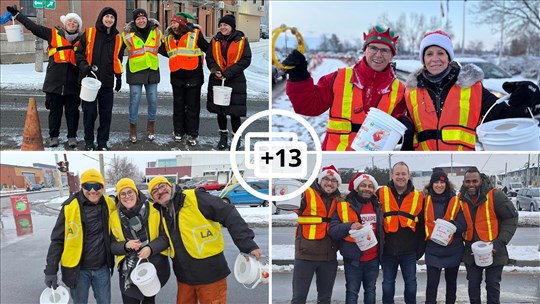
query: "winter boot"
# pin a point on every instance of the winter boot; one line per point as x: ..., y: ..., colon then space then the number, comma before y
x: 191, y: 140
x: 53, y: 142
x: 72, y: 142
x: 223, y: 140
x: 150, y: 130
x: 133, y: 133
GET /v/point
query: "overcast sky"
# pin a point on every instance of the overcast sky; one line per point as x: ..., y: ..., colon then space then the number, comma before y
x: 351, y: 18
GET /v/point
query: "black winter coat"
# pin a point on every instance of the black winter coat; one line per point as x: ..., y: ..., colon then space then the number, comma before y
x: 446, y: 256
x: 103, y: 53
x: 157, y: 245
x: 96, y: 247
x: 339, y: 230
x: 61, y: 78
x: 189, y: 270
x: 234, y: 75
x: 187, y: 78
x: 145, y: 76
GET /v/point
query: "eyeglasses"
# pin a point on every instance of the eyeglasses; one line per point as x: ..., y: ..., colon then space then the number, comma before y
x: 330, y: 180
x: 92, y: 186
x: 158, y: 188
x: 373, y: 50
x: 129, y: 193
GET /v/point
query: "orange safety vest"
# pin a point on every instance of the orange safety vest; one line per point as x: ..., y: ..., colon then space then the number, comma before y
x: 405, y: 215
x: 347, y: 111
x: 61, y: 49
x: 315, y: 219
x: 429, y: 216
x: 234, y: 53
x: 485, y: 222
x: 347, y: 215
x: 455, y: 130
x: 90, y: 39
x: 184, y: 53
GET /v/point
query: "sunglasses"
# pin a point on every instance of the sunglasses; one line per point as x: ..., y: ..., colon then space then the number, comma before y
x: 92, y: 186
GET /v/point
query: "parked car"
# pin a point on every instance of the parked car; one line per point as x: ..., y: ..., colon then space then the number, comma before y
x: 144, y: 189
x: 34, y: 187
x: 210, y: 185
x: 528, y: 198
x: 236, y: 194
x: 277, y: 74
x: 191, y: 184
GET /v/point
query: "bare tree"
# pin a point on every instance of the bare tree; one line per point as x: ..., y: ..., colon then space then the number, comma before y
x: 476, y: 47
x: 519, y: 16
x: 120, y: 167
x: 335, y: 44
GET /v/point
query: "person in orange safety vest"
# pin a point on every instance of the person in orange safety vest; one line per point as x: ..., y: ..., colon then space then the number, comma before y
x: 404, y: 237
x: 315, y: 252
x: 349, y: 92
x: 491, y: 217
x: 446, y: 101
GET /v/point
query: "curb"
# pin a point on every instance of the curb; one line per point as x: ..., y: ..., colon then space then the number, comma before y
x: 511, y: 262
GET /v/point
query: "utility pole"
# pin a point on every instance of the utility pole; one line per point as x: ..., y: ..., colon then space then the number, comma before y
x: 39, y: 43
x: 463, y: 34
x: 101, y: 165
x: 59, y: 177
x: 527, y: 171
x: 372, y: 162
x: 390, y: 165
x: 502, y: 35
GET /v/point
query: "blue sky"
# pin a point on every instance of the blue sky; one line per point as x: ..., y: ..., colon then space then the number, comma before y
x: 351, y: 18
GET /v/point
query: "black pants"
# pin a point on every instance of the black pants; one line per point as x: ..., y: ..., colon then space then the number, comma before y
x: 433, y: 278
x: 103, y: 106
x: 186, y: 109
x: 235, y: 122
x: 493, y: 283
x: 130, y: 300
x: 325, y: 273
x: 56, y: 104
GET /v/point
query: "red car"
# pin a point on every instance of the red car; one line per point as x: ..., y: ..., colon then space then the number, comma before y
x: 210, y: 185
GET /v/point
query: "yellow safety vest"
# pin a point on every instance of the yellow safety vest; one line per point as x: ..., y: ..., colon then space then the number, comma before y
x: 73, y: 233
x: 143, y: 55
x: 154, y: 221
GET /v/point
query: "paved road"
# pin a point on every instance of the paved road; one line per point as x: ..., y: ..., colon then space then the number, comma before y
x: 14, y: 106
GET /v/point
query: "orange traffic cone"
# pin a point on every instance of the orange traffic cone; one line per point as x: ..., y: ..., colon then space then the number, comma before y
x: 32, y: 139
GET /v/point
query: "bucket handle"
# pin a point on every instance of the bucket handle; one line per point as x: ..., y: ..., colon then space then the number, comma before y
x: 95, y: 76
x: 259, y: 280
x: 222, y: 82
x: 139, y: 261
x: 52, y: 292
x: 505, y: 99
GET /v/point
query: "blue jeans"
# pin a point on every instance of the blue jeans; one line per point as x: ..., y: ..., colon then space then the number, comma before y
x: 407, y: 263
x: 355, y: 275
x: 100, y: 280
x: 135, y: 92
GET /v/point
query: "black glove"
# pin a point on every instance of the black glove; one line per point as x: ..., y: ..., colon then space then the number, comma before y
x: 524, y: 93
x: 298, y: 60
x: 51, y: 280
x: 12, y: 9
x: 118, y: 85
x: 84, y: 70
x: 498, y: 245
x: 407, y: 144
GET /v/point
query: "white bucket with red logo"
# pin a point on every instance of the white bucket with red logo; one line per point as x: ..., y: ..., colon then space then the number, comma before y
x: 285, y: 186
x: 247, y: 270
x: 442, y: 232
x: 483, y: 253
x: 365, y: 237
x: 379, y: 132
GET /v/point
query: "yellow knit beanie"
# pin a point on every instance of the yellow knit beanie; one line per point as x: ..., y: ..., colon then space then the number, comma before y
x: 125, y: 183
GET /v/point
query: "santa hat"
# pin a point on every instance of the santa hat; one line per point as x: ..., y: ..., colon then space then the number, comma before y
x: 179, y: 18
x: 329, y: 171
x: 64, y: 19
x: 379, y: 34
x: 358, y: 178
x: 438, y: 38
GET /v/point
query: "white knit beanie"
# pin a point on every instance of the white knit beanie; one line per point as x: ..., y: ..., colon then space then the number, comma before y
x: 358, y: 178
x: 65, y: 19
x: 329, y: 171
x: 440, y: 39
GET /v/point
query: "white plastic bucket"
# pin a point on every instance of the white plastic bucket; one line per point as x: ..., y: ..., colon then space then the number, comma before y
x: 442, y: 232
x: 222, y: 94
x: 14, y: 33
x: 483, y: 253
x: 511, y: 134
x: 365, y: 237
x: 379, y: 132
x: 89, y: 89
x: 286, y: 186
x: 145, y: 277
x: 247, y: 270
x: 59, y: 295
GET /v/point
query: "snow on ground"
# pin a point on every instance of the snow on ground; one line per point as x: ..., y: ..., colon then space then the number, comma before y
x: 24, y: 76
x: 283, y: 124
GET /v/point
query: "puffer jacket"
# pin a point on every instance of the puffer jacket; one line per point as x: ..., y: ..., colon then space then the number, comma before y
x: 189, y: 270
x: 507, y: 217
x: 61, y: 78
x: 234, y: 75
x: 316, y: 250
x: 145, y: 76
x: 339, y: 230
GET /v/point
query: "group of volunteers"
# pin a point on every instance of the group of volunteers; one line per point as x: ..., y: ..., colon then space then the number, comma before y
x: 98, y: 51
x: 92, y: 228
x: 402, y: 220
x: 440, y: 105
